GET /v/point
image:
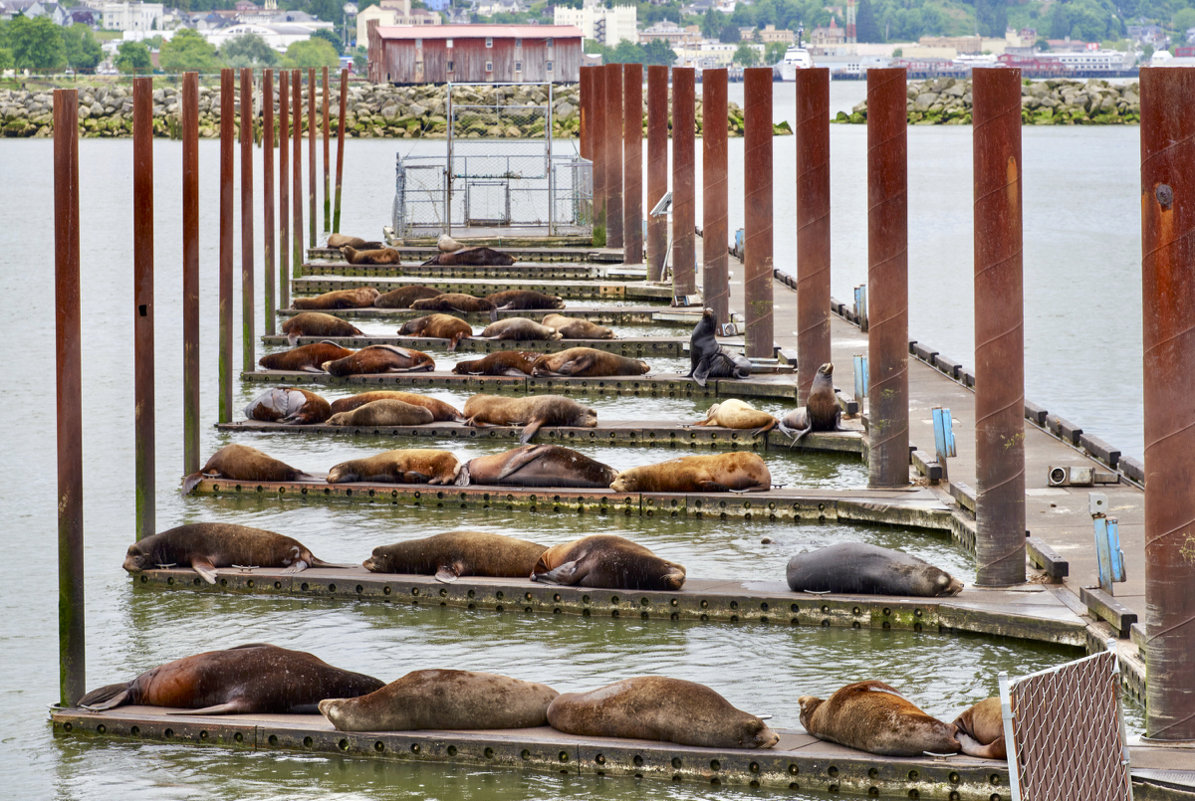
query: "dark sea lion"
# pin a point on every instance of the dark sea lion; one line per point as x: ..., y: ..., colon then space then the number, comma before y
x: 821, y: 411
x: 660, y: 708
x: 360, y: 298
x: 981, y: 730
x: 207, y: 546
x: 385, y: 412
x: 860, y: 568
x: 305, y: 358
x: 374, y: 359
x: 734, y: 413
x: 288, y: 405
x: 478, y: 257
x: 572, y: 328
x: 519, y: 328
x: 503, y: 362
x: 318, y: 324
x: 738, y: 471
x: 441, y: 411
x: 524, y: 300
x: 404, y: 296
x: 243, y: 463
x: 340, y: 240
x: 382, y: 255
x: 257, y: 678
x: 444, y: 699
x: 453, y: 554
x: 608, y: 561
x: 708, y: 359
x: 533, y: 411
x: 540, y: 466
x: 873, y: 717
x: 453, y: 302
x: 587, y: 362
x: 439, y: 325
x: 404, y: 466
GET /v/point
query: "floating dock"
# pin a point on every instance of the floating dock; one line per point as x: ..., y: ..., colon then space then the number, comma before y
x: 556, y: 271
x: 637, y: 347
x: 607, y: 315
x: 570, y: 290
x: 533, y: 251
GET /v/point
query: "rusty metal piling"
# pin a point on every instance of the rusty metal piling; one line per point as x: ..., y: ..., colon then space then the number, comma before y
x: 344, y: 97
x: 267, y: 200
x: 757, y: 212
x: 715, y: 204
x: 585, y: 129
x: 284, y: 182
x: 597, y: 140
x: 999, y: 330
x: 813, y: 225
x: 143, y: 303
x: 190, y: 126
x: 632, y: 160
x: 613, y: 129
x: 296, y: 80
x: 657, y: 169
x: 227, y: 153
x: 248, y: 349
x: 684, y: 189
x: 312, y: 128
x: 327, y: 154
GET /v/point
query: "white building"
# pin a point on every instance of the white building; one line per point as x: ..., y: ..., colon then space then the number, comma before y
x: 279, y: 36
x: 606, y: 25
x: 129, y: 16
x: 392, y: 12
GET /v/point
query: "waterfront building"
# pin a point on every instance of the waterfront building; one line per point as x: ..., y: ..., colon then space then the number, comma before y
x: 120, y: 15
x: 393, y: 12
x: 474, y: 53
x: 606, y: 25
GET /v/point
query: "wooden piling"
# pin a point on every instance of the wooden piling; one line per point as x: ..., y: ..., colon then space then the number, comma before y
x: 227, y: 153
x: 248, y: 335
x: 327, y: 157
x: 312, y: 128
x: 267, y: 199
x: 190, y: 126
x: 143, y: 304
x: 284, y: 182
x: 296, y: 80
x: 344, y: 96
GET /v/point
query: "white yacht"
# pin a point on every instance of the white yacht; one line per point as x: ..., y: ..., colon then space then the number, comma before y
x: 796, y: 57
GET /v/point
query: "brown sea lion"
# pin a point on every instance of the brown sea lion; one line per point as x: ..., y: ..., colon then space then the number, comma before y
x: 374, y: 359
x: 821, y: 411
x: 207, y: 546
x: 305, y: 358
x: 860, y: 568
x: 660, y: 708
x: 981, y: 730
x: 453, y: 302
x: 404, y: 296
x: 382, y: 255
x: 258, y: 678
x: 873, y: 717
x: 340, y: 240
x: 572, y: 328
x: 318, y: 324
x: 533, y: 411
x: 385, y: 412
x: 734, y: 413
x: 519, y: 328
x: 444, y: 699
x: 708, y: 359
x: 608, y: 561
x: 738, y: 471
x: 441, y: 411
x: 446, y: 244
x: 587, y: 362
x: 439, y: 325
x: 404, y: 466
x: 524, y: 300
x: 360, y: 298
x: 243, y: 463
x: 503, y: 362
x: 453, y: 554
x: 288, y: 405
x: 540, y: 466
x: 479, y: 257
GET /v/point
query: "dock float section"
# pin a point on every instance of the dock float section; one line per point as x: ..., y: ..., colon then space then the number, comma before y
x: 555, y: 271
x: 607, y: 315
x: 636, y: 347
x: 570, y: 290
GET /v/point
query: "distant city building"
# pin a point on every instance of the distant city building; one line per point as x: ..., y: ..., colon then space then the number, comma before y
x: 390, y: 13
x: 279, y: 36
x: 474, y: 53
x: 606, y: 25
x: 827, y: 37
x: 960, y: 44
x: 672, y: 34
x: 768, y: 34
x: 129, y: 16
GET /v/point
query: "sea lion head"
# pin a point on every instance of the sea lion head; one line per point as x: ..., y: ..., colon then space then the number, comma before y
x: 586, y: 417
x: 945, y: 584
x: 826, y: 370
x: 754, y: 733
x: 138, y: 558
x: 809, y: 705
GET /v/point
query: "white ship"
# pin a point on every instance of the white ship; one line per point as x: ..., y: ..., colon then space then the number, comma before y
x: 796, y: 57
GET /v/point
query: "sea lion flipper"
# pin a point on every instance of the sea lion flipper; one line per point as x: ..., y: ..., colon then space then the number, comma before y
x: 190, y: 482
x: 701, y: 372
x: 298, y: 567
x: 518, y: 461
x: 561, y: 574
x: 447, y: 573
x: 529, y: 431
x: 107, y: 697
x: 204, y: 567
x: 226, y: 708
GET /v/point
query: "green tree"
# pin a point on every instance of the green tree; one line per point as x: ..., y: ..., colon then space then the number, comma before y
x: 133, y: 57
x: 658, y: 53
x: 991, y: 17
x: 187, y: 51
x: 6, y: 61
x: 360, y: 60
x: 81, y: 47
x: 36, y: 44
x: 746, y: 55
x: 310, y: 53
x: 1184, y: 19
x: 331, y: 38
x: 867, y: 29
x: 248, y: 50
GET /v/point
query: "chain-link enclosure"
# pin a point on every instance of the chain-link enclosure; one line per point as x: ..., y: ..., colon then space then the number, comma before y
x: 498, y: 172
x: 1066, y: 735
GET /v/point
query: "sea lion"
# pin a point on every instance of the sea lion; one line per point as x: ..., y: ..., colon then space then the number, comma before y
x: 737, y: 471
x: 380, y: 359
x: 476, y: 257
x: 305, y: 358
x: 207, y: 546
x: 660, y: 708
x: 446, y: 244
x: 385, y: 412
x: 572, y: 328
x: 821, y: 411
x: 454, y: 302
x: 860, y: 568
x: 608, y: 561
x: 533, y: 412
x: 708, y: 359
x: 360, y: 298
x: 288, y: 405
x: 587, y: 362
x: 734, y: 413
x: 519, y: 328
x: 382, y: 255
x: 404, y: 296
x: 317, y: 324
x: 340, y: 240
x: 540, y: 466
x: 524, y: 300
x: 873, y: 717
x: 981, y: 730
x: 444, y: 699
x: 439, y: 325
x: 453, y: 554
x: 258, y: 677
x: 441, y: 412
x: 503, y: 362
x: 404, y: 466
x: 243, y: 463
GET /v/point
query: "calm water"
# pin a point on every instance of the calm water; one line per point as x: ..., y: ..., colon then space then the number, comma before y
x: 1081, y: 259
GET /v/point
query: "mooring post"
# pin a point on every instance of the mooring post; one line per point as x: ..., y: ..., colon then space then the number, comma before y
x: 283, y: 189
x: 227, y: 154
x: 715, y: 200
x: 1168, y: 297
x: 190, y: 125
x: 657, y: 170
x: 267, y: 199
x: 344, y: 99
x: 327, y: 156
x: 684, y: 182
x: 613, y: 128
x: 632, y: 161
x: 143, y: 303
x: 999, y: 330
x: 296, y: 80
x: 585, y: 101
x: 757, y: 213
x: 71, y: 647
x: 813, y: 225
x: 600, y: 156
x: 248, y: 350
x: 888, y: 278
x: 312, y: 128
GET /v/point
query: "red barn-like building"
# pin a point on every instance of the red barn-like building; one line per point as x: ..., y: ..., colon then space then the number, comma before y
x: 474, y: 53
